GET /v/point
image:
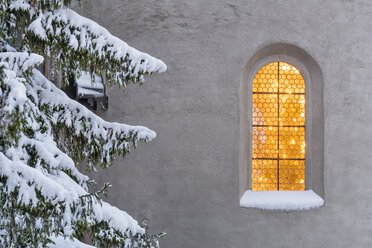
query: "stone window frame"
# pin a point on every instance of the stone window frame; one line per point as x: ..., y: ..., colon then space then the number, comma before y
x: 312, y: 74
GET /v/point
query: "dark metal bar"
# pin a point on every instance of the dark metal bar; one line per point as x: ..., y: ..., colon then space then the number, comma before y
x: 278, y: 158
x: 277, y: 93
x: 278, y: 126
x: 278, y: 122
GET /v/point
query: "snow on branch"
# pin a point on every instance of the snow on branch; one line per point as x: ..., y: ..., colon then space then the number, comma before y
x: 78, y: 43
x: 15, y: 90
x: 94, y: 139
x: 103, y: 43
x: 33, y: 184
x: 17, y: 100
x: 28, y: 180
x: 45, y: 134
x: 88, y: 136
x: 21, y: 62
x: 40, y: 4
x: 36, y: 174
x: 61, y: 242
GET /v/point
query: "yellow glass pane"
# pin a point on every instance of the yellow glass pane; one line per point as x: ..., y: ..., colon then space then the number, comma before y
x: 290, y: 79
x: 292, y: 110
x: 265, y: 109
x: 292, y: 175
x: 266, y: 79
x: 264, y: 175
x: 292, y: 142
x: 264, y: 142
x: 290, y: 91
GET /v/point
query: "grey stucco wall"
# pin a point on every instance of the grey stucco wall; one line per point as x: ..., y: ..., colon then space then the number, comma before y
x: 186, y: 181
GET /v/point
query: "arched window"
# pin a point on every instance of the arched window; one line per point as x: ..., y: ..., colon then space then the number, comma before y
x: 281, y: 127
x: 278, y: 128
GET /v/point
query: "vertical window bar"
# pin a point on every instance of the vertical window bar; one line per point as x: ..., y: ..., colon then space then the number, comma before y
x: 278, y: 127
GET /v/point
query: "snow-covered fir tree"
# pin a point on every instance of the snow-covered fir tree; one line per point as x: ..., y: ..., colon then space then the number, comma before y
x: 45, y: 200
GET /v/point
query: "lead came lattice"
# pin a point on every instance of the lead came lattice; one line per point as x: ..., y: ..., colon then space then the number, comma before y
x: 278, y: 128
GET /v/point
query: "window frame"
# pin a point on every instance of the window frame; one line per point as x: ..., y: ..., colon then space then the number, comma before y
x: 313, y: 77
x: 305, y: 75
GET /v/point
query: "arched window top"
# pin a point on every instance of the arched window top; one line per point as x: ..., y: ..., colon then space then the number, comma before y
x: 289, y: 78
x: 278, y: 128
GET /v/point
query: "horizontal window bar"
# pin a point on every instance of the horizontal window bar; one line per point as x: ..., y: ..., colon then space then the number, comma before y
x: 279, y: 159
x: 278, y: 126
x: 276, y: 93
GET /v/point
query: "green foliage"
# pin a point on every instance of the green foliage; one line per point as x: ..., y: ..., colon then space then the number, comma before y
x: 45, y: 134
x: 75, y: 46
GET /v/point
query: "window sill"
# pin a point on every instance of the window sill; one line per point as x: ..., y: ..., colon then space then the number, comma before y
x: 281, y: 200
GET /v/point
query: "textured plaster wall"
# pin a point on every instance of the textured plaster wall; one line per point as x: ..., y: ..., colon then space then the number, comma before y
x: 186, y: 180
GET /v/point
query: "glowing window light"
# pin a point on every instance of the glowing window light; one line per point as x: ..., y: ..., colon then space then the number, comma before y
x: 278, y: 128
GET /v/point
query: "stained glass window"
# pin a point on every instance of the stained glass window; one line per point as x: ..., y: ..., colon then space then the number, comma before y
x: 278, y: 128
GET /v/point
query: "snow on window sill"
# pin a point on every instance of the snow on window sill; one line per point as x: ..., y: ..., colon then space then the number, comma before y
x: 281, y: 200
